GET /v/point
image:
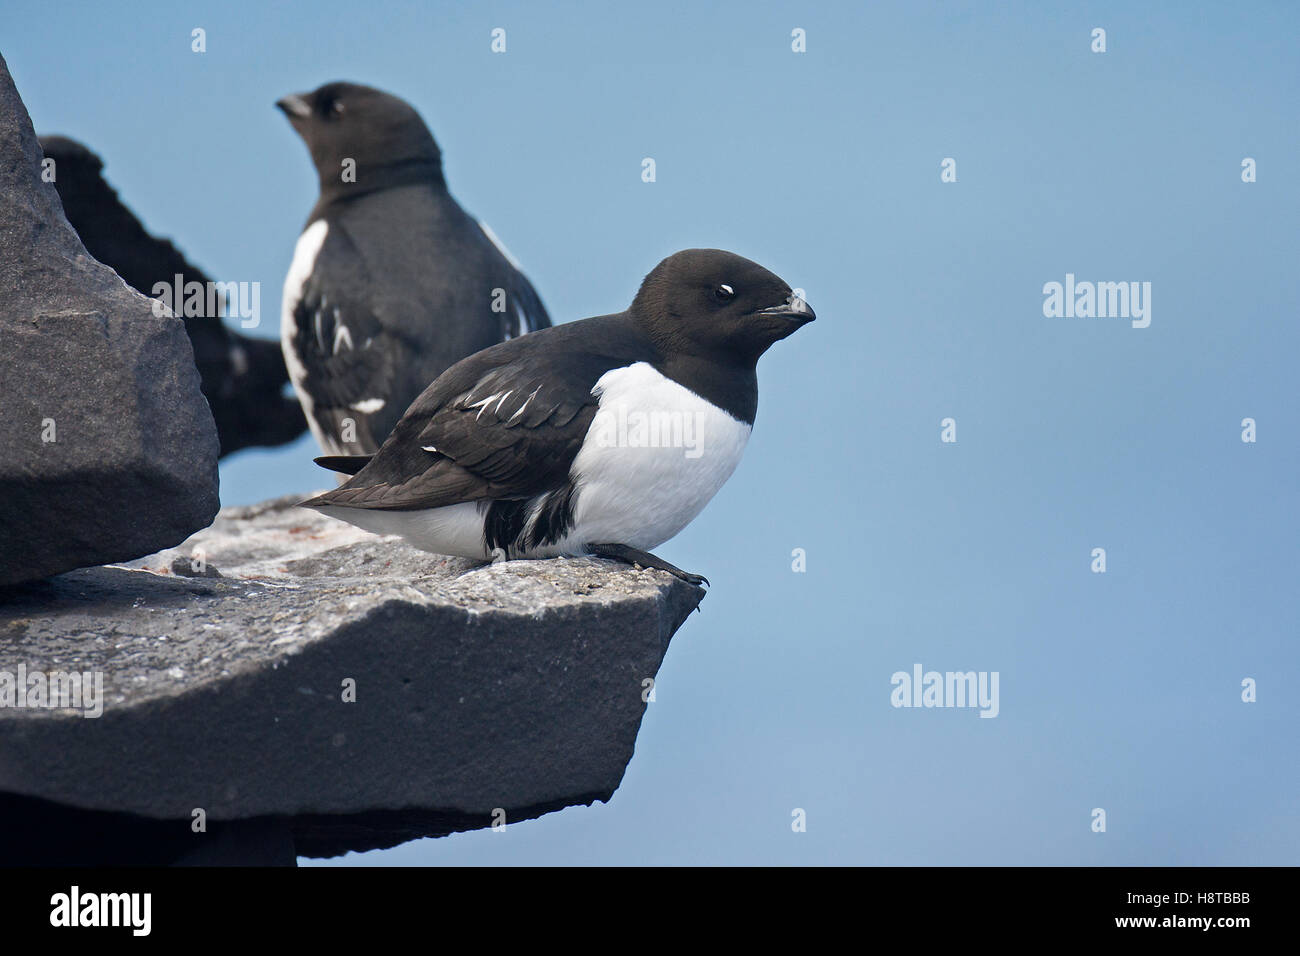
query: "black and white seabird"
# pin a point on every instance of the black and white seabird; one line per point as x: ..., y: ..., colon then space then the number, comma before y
x: 391, y: 280
x: 605, y: 436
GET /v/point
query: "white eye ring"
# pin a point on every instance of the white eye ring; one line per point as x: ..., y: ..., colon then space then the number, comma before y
x: 728, y: 289
x: 338, y: 106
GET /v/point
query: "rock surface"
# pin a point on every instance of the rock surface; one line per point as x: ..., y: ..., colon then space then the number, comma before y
x: 110, y: 451
x: 514, y: 687
x: 242, y: 377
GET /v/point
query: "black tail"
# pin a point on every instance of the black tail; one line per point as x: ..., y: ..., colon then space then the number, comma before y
x: 344, y: 464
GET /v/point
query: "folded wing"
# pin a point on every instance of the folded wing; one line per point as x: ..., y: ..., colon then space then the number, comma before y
x: 504, y: 424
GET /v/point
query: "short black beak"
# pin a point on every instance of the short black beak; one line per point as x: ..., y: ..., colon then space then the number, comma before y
x: 294, y: 106
x: 794, y: 308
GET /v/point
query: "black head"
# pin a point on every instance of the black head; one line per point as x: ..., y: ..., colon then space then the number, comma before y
x: 717, y: 304
x: 379, y: 131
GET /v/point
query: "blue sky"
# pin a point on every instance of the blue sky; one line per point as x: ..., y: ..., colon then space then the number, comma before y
x: 1119, y: 690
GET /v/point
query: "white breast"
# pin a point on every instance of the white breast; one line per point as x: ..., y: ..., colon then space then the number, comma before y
x: 300, y: 269
x: 655, y: 455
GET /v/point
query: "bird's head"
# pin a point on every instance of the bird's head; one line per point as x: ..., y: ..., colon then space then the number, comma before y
x: 376, y: 130
x: 718, y: 304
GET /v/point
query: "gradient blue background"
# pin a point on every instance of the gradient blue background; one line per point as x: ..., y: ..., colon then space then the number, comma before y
x: 1119, y: 690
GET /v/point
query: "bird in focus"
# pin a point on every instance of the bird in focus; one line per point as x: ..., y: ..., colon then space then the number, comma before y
x: 604, y: 436
x: 391, y: 281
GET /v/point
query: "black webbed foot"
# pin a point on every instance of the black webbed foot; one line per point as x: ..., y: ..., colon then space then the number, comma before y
x: 629, y: 555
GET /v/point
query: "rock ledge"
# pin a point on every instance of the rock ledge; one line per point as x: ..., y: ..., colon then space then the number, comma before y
x: 514, y: 687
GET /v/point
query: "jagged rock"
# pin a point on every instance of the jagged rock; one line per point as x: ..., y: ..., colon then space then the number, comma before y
x: 109, y: 448
x: 242, y: 377
x: 516, y: 686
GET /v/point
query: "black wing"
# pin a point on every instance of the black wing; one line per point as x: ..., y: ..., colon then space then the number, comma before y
x: 503, y: 424
x: 350, y: 358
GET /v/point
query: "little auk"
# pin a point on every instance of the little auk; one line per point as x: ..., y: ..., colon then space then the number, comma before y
x: 391, y: 280
x: 604, y: 436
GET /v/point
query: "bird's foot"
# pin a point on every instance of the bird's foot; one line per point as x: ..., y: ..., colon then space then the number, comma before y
x: 498, y: 555
x: 644, y: 559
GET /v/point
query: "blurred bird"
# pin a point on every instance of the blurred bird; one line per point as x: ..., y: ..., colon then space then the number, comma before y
x: 242, y: 378
x: 391, y: 280
x: 605, y: 436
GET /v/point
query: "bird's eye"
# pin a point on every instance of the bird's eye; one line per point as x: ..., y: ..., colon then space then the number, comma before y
x: 329, y: 107
x: 338, y: 106
x: 724, y: 293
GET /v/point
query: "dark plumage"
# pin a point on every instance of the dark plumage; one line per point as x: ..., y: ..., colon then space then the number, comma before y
x: 392, y: 281
x: 242, y: 378
x: 522, y: 430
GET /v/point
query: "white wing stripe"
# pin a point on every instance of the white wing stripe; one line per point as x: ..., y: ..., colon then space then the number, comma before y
x: 492, y: 237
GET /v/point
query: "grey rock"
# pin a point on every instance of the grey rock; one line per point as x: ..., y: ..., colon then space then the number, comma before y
x: 514, y: 687
x: 133, y: 462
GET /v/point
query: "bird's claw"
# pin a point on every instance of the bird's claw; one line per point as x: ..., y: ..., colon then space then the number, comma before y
x: 696, y: 579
